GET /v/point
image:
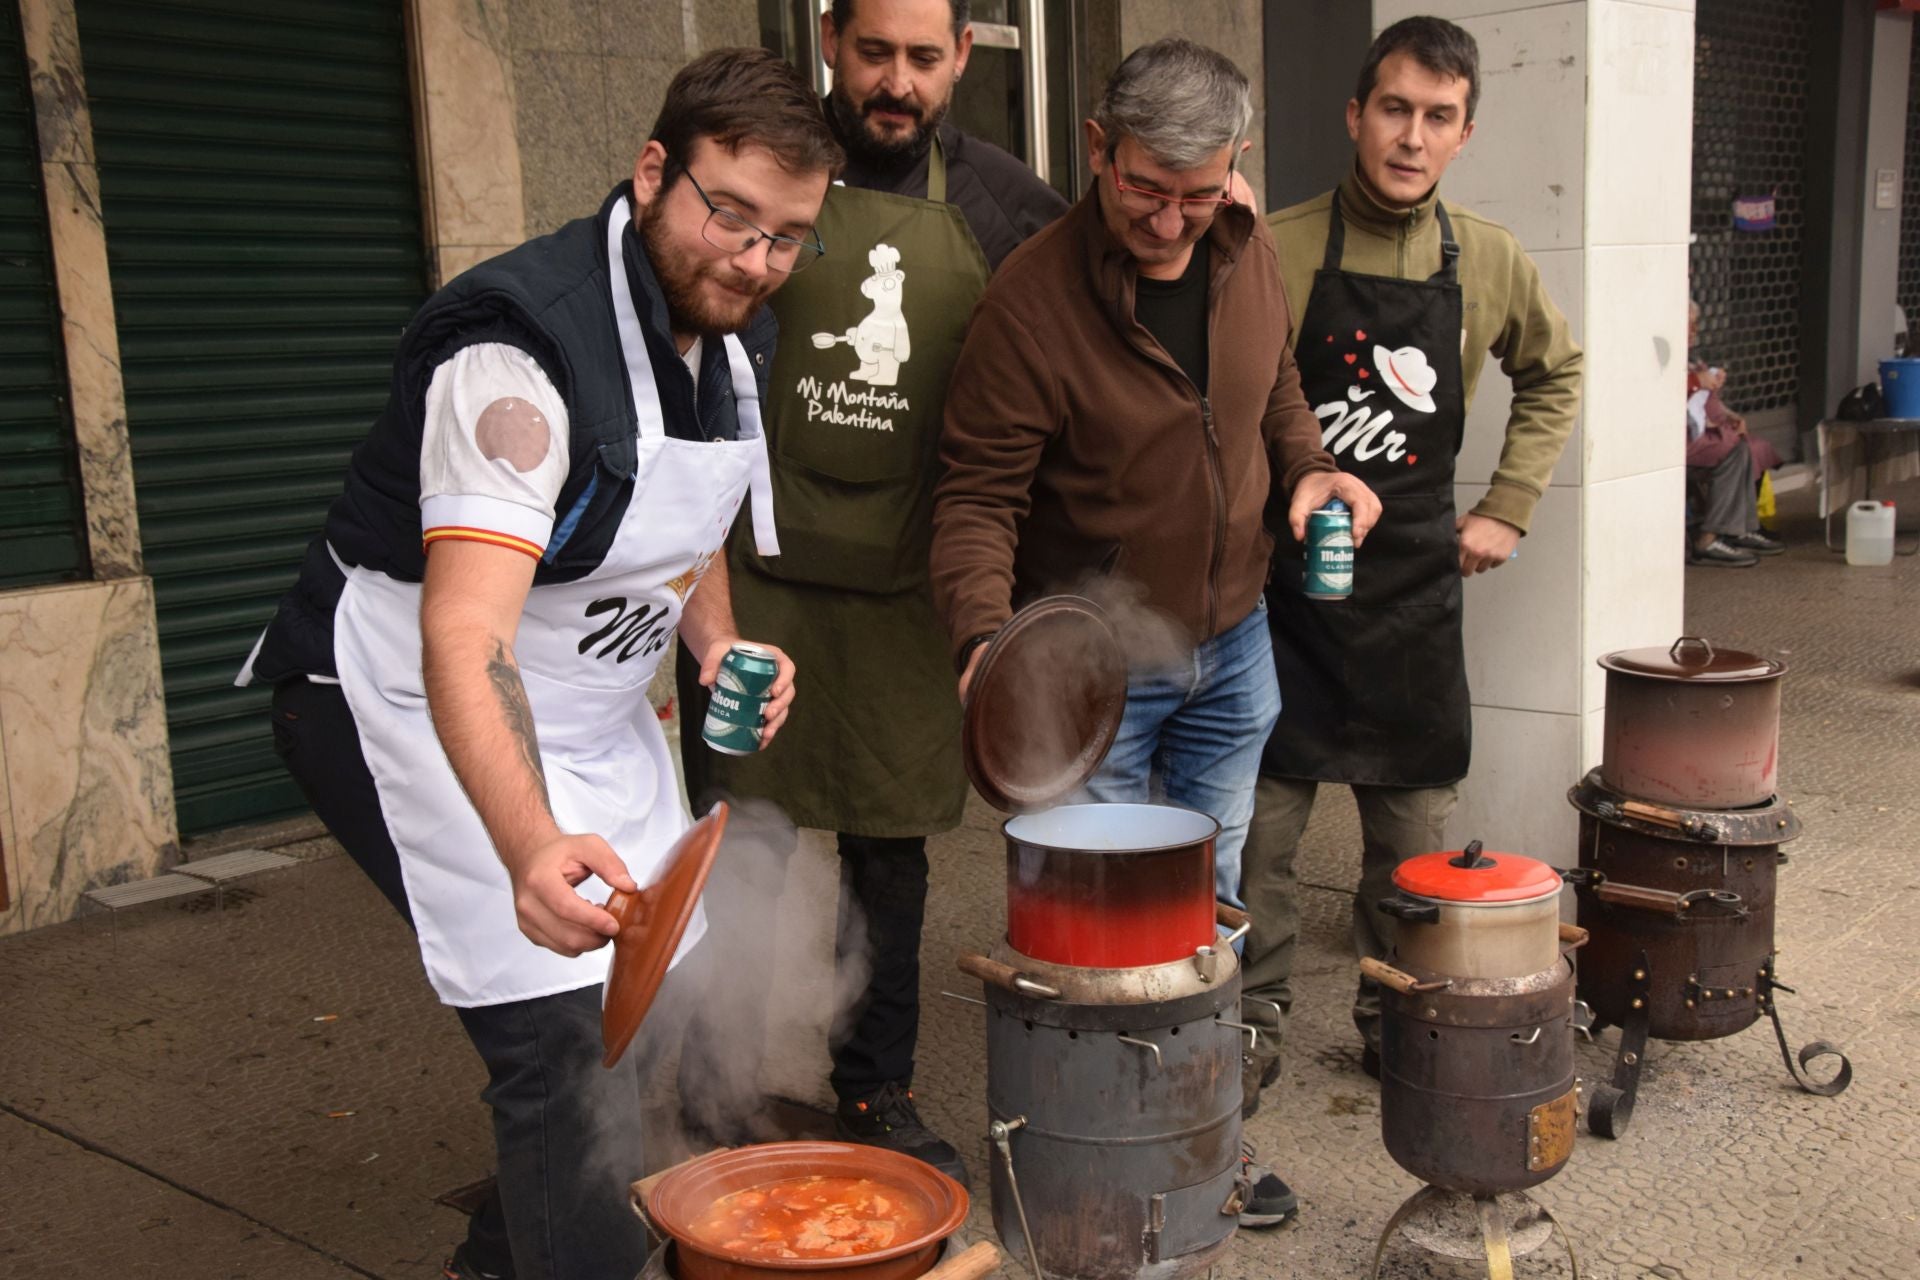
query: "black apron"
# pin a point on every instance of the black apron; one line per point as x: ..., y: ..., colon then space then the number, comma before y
x: 1374, y: 687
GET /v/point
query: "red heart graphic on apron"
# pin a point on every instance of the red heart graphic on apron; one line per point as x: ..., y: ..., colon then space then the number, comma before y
x: 1365, y: 374
x: 1412, y: 458
x: 1359, y: 335
x: 1351, y: 357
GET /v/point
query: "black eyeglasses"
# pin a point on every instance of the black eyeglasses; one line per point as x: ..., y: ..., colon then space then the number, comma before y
x: 726, y: 230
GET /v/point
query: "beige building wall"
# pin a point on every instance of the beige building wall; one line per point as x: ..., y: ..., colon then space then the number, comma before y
x: 1234, y: 27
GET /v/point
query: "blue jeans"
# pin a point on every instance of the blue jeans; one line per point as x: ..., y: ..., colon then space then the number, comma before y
x: 1192, y: 736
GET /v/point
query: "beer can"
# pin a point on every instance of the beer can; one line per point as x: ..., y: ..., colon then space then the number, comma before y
x: 1330, y: 553
x: 739, y: 699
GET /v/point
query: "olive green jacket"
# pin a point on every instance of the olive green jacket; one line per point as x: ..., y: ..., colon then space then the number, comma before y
x: 1507, y: 312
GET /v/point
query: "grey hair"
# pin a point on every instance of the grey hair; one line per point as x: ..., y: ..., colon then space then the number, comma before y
x: 1180, y: 101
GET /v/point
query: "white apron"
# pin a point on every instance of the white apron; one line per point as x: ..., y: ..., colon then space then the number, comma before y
x: 586, y: 650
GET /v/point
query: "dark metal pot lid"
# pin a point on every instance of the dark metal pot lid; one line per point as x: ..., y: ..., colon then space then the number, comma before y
x: 1044, y: 705
x: 1692, y: 658
x: 652, y: 922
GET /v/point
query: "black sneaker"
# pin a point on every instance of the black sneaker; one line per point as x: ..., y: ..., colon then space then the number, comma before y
x: 1257, y: 1071
x: 1719, y: 554
x: 1758, y: 543
x: 1269, y: 1201
x: 461, y: 1267
x: 888, y: 1119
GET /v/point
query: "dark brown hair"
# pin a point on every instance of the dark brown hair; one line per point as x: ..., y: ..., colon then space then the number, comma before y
x: 1436, y: 44
x: 746, y: 97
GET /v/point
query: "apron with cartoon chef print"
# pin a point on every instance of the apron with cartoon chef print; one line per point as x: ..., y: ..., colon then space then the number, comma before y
x: 586, y: 650
x: 1374, y: 687
x: 868, y: 336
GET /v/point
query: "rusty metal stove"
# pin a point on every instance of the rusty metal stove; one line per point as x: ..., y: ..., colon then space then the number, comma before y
x: 1679, y: 905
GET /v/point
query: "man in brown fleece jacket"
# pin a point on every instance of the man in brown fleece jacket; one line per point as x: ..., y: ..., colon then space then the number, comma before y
x: 1402, y: 298
x: 1124, y: 404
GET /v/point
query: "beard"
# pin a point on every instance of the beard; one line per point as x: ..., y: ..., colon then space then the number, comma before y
x: 692, y: 285
x: 878, y: 151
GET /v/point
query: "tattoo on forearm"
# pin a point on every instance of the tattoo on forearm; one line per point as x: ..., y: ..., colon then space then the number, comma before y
x: 518, y: 712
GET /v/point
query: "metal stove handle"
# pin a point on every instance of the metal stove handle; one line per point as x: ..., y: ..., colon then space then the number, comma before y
x: 1004, y: 976
x: 1400, y: 980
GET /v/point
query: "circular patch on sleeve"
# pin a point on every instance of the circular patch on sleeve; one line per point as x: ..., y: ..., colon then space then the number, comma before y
x: 512, y: 431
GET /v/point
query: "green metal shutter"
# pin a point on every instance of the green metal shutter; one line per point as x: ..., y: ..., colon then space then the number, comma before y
x: 263, y: 232
x: 42, y: 513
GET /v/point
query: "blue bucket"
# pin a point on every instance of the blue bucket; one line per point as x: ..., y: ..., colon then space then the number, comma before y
x: 1900, y: 384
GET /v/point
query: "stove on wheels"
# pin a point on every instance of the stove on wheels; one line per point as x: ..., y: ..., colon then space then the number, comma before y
x: 1680, y: 835
x: 1478, y: 1097
x: 1113, y: 1041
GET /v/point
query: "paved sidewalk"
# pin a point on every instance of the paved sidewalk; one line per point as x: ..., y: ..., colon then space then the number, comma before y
x: 271, y: 1091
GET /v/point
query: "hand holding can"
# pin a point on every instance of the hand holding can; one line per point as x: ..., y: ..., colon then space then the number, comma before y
x: 736, y: 707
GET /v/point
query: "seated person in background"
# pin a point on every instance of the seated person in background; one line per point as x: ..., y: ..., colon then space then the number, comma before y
x: 1727, y: 462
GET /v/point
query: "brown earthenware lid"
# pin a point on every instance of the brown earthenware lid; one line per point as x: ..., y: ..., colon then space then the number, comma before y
x: 651, y: 924
x: 1692, y: 658
x: 1044, y: 705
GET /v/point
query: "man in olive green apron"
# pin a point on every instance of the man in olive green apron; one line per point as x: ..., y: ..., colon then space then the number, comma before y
x: 868, y: 337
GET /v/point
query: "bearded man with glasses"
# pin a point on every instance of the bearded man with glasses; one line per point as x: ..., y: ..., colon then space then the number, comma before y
x: 1125, y: 400
x: 460, y: 672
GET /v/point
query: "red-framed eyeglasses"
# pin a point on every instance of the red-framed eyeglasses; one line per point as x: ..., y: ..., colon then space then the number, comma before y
x: 1141, y: 203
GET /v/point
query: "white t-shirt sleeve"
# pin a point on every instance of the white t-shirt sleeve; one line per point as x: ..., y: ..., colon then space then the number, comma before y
x: 493, y: 454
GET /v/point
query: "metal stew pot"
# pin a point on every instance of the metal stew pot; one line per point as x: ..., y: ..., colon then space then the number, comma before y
x: 678, y: 1200
x: 1110, y: 886
x: 1692, y: 725
x: 1473, y: 914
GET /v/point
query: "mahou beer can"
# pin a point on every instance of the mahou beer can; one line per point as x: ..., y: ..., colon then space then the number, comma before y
x: 1330, y: 553
x: 739, y: 697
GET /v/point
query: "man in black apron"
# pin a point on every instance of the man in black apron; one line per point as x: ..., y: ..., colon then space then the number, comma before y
x: 1404, y: 298
x: 923, y: 214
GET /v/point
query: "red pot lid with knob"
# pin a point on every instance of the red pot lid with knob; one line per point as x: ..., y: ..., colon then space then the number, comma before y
x: 1474, y: 875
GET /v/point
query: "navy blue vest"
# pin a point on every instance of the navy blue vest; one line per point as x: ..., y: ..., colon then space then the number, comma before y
x: 549, y: 297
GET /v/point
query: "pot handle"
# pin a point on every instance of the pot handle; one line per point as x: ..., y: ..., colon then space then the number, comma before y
x: 1409, y: 910
x: 976, y: 1263
x: 1004, y: 976
x: 1665, y: 902
x: 1684, y: 641
x: 1572, y: 937
x: 1399, y: 979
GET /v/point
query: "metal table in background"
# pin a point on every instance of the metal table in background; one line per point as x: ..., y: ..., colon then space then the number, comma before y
x: 1891, y: 444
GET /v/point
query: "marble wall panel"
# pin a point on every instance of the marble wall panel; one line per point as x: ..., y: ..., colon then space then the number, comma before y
x: 1523, y: 619
x: 1563, y: 272
x: 1641, y: 83
x: 96, y: 396
x: 1516, y: 796
x: 1636, y: 367
x: 470, y: 152
x: 89, y: 786
x: 9, y: 859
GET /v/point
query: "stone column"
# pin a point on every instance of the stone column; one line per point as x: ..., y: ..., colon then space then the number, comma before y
x: 1583, y: 150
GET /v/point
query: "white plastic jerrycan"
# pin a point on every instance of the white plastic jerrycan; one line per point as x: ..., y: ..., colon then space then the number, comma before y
x: 1870, y: 533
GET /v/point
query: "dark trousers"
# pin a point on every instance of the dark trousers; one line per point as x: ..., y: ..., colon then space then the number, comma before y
x: 566, y: 1131
x: 882, y: 905
x: 1396, y: 823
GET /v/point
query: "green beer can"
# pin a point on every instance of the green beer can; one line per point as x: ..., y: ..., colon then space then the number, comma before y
x: 1330, y: 553
x: 739, y: 698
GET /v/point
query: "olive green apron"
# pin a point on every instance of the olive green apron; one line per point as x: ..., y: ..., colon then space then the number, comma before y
x: 868, y: 336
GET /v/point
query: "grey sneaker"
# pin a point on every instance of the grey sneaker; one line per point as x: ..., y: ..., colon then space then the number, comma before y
x: 1758, y: 543
x: 1269, y: 1201
x: 1719, y: 554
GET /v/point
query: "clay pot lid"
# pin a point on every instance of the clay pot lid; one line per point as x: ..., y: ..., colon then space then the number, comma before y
x: 684, y: 1193
x: 1044, y: 705
x: 1692, y: 658
x: 651, y: 924
x: 1474, y: 875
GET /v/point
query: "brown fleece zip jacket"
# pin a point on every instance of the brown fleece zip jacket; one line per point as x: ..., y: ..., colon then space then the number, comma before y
x: 1507, y: 312
x: 1074, y: 445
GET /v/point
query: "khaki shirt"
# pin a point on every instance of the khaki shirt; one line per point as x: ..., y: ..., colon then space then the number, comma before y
x: 1506, y: 312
